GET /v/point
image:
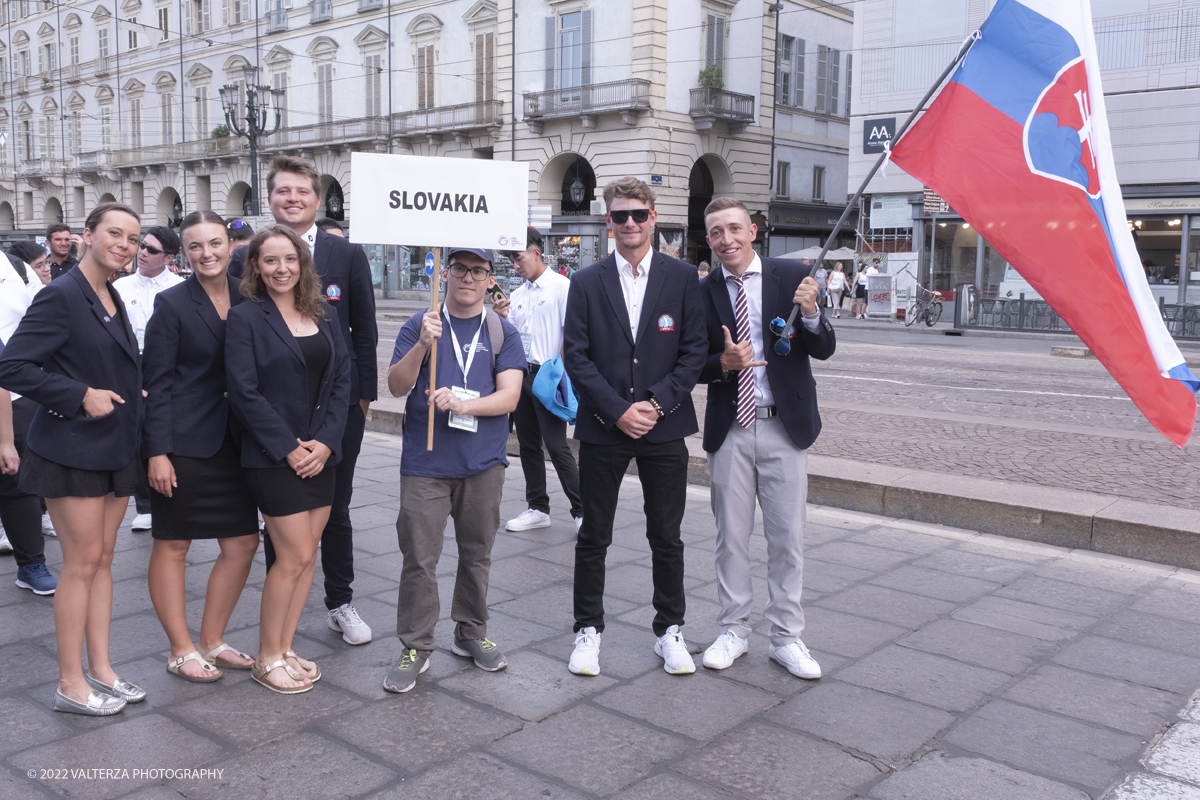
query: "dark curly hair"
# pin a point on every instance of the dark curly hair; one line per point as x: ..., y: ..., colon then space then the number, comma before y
x: 309, y: 300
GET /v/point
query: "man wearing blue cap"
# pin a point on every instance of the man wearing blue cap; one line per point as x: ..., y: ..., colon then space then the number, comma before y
x: 479, y: 370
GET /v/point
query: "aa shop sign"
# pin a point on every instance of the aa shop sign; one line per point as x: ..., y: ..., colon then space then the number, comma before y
x: 460, y: 202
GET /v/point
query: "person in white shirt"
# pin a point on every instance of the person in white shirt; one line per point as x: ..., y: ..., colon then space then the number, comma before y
x: 538, y: 309
x: 158, y: 248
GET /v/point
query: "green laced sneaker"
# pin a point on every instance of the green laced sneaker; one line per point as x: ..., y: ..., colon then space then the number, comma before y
x: 403, y: 677
x: 484, y: 651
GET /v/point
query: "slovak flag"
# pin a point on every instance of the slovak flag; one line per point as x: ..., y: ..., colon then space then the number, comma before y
x: 1017, y: 142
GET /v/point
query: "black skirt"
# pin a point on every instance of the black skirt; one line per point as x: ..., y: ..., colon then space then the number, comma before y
x: 212, y: 499
x: 47, y: 478
x: 861, y: 291
x: 279, y: 491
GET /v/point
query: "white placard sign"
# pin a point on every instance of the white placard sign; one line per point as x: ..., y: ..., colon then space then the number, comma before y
x: 458, y: 202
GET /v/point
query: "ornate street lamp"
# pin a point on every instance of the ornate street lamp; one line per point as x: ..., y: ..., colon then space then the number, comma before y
x: 577, y: 190
x: 254, y: 125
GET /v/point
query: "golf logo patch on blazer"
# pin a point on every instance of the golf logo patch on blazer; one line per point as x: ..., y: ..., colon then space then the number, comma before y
x: 333, y: 293
x: 666, y: 323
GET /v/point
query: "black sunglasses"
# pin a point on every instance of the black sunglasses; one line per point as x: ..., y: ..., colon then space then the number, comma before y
x: 639, y: 215
x: 154, y: 251
x: 237, y: 223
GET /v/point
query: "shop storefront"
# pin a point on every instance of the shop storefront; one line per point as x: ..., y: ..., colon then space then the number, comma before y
x: 574, y: 243
x: 797, y: 226
x: 1166, y: 231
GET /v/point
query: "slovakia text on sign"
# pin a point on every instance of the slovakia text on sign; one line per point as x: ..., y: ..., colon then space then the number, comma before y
x: 414, y: 200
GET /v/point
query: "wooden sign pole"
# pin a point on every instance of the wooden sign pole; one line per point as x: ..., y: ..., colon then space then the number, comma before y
x: 433, y: 306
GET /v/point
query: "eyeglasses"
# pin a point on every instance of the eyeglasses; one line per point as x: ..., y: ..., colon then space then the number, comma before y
x: 640, y: 215
x: 478, y: 274
x: 154, y: 251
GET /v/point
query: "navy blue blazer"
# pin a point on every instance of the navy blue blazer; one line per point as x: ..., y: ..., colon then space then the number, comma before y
x: 346, y: 280
x: 790, y: 377
x: 183, y: 370
x: 610, y: 372
x: 66, y: 344
x: 268, y: 385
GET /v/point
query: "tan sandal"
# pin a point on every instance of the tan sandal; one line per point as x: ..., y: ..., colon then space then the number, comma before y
x: 175, y: 667
x: 213, y: 657
x: 305, y: 665
x: 261, y: 676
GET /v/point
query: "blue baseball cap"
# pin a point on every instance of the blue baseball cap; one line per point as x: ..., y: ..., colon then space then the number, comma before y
x: 486, y: 255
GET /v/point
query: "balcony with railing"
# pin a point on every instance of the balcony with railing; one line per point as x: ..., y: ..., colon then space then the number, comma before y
x: 322, y: 11
x: 709, y: 105
x: 39, y: 167
x: 21, y: 84
x: 74, y: 73
x: 459, y: 120
x: 6, y: 173
x: 47, y: 78
x: 326, y: 133
x: 369, y: 5
x: 277, y: 19
x: 101, y: 66
x: 628, y: 97
x: 93, y: 161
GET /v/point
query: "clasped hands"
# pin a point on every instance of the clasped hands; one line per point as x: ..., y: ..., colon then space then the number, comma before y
x: 309, y: 458
x: 638, y: 419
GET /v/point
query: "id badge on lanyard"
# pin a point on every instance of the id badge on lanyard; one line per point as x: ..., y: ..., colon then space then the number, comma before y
x: 464, y: 422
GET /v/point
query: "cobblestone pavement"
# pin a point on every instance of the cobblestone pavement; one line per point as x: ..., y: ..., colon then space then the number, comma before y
x: 956, y: 665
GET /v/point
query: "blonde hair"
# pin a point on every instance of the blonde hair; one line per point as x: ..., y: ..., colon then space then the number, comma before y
x: 628, y: 187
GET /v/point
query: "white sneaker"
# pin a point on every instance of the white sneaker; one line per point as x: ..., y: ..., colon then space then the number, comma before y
x: 585, y: 658
x: 47, y: 526
x: 6, y: 547
x: 141, y: 522
x: 578, y: 523
x: 797, y: 660
x: 345, y: 618
x: 528, y: 520
x: 724, y: 651
x: 676, y: 658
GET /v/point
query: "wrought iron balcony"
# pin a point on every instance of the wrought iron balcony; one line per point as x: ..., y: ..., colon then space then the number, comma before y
x: 709, y: 105
x: 628, y: 97
x: 322, y: 11
x: 458, y: 120
x: 340, y: 132
x: 276, y: 19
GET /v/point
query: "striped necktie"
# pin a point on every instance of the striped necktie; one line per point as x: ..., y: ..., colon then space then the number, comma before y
x: 745, y: 400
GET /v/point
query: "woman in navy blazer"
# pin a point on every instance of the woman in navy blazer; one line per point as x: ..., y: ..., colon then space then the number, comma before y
x: 200, y: 489
x: 75, y: 354
x: 289, y: 385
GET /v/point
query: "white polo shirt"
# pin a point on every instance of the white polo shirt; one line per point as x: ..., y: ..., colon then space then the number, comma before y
x: 15, y: 298
x: 138, y: 293
x: 538, y: 310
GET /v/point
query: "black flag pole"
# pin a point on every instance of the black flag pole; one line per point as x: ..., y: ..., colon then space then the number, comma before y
x: 783, y: 329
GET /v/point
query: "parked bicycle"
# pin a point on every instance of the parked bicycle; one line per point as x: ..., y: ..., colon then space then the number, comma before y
x: 926, y: 306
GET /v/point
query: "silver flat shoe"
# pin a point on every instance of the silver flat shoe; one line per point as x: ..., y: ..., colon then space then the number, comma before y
x: 99, y: 704
x: 122, y: 689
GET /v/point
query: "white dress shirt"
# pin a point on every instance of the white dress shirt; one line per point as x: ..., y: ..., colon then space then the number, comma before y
x: 310, y: 239
x: 752, y: 284
x: 138, y: 293
x: 15, y: 298
x: 634, y: 288
x: 538, y: 310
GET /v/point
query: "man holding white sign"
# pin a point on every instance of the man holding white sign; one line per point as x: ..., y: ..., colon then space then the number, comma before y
x: 478, y: 384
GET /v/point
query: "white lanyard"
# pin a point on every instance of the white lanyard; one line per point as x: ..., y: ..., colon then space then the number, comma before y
x: 465, y: 367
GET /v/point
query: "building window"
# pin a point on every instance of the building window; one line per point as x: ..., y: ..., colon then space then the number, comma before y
x: 325, y: 93
x: 46, y: 143
x: 425, y: 59
x: 201, y: 16
x: 135, y: 122
x: 75, y: 132
x: 714, y: 42
x: 279, y: 81
x: 240, y: 11
x: 485, y: 57
x: 570, y: 50
x: 166, y: 113
x: 102, y: 41
x: 373, y: 90
x: 200, y: 113
x: 46, y: 58
x: 4, y: 150
x: 25, y: 140
x: 106, y: 127
x: 133, y: 34
x: 818, y: 193
x: 849, y: 76
x: 783, y: 71
x: 73, y: 49
x: 783, y: 179
x: 164, y: 21
x: 22, y: 65
x: 828, y: 68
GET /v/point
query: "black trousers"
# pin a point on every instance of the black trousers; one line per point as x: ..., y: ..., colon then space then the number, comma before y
x: 535, y: 425
x: 337, y: 541
x: 662, y: 469
x: 21, y: 513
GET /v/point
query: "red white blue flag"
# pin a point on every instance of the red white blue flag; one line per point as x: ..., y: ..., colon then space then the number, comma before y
x: 1017, y: 142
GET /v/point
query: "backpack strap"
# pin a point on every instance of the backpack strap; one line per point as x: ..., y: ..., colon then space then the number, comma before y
x: 495, y: 328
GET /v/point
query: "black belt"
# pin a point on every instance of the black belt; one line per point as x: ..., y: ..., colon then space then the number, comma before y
x: 532, y: 367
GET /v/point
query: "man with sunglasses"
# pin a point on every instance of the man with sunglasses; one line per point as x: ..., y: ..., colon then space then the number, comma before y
x: 633, y: 346
x: 760, y: 419
x: 158, y: 248
x: 480, y: 364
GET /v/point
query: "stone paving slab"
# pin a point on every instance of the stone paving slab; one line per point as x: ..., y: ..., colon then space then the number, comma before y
x: 956, y: 664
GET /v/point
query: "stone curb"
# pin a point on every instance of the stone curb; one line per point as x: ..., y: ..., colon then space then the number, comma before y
x: 1062, y: 517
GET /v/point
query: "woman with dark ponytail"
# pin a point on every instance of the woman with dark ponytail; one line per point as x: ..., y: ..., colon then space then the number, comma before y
x: 198, y: 487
